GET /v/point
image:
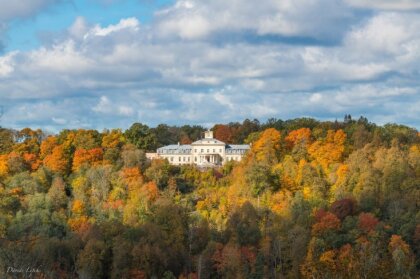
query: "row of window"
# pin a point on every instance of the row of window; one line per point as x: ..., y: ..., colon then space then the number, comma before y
x: 208, y: 150
x: 209, y: 141
x: 184, y: 159
x: 174, y: 151
x: 187, y: 159
x: 235, y: 151
x: 188, y: 151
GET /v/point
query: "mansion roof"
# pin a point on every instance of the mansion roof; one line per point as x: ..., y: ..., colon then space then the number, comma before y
x: 233, y: 148
x: 175, y: 149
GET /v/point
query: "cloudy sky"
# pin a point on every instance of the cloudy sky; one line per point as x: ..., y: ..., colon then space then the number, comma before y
x: 109, y: 63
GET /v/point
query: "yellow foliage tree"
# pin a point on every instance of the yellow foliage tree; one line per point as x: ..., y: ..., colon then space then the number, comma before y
x: 280, y: 202
x: 78, y: 207
x: 330, y: 150
x: 328, y: 260
x: 342, y: 173
x: 113, y: 139
x: 267, y: 147
x: 79, y: 224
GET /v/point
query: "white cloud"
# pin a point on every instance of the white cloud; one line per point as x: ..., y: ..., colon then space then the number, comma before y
x: 386, y: 44
x: 385, y: 33
x: 64, y: 58
x: 6, y: 64
x: 102, y: 76
x: 198, y: 19
x: 125, y: 110
x: 323, y: 62
x: 315, y: 98
x: 224, y: 100
x: 59, y: 121
x: 191, y: 27
x: 362, y: 95
x: 106, y: 106
x: 79, y: 28
x: 124, y: 24
x: 401, y: 5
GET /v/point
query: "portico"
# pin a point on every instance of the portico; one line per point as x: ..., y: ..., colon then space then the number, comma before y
x: 214, y: 159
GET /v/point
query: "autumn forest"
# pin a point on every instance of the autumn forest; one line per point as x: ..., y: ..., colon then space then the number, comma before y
x: 311, y: 199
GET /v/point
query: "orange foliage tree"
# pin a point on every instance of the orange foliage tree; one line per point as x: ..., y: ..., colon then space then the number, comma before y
x: 87, y: 157
x: 295, y: 137
x: 150, y: 191
x: 4, y: 169
x: 57, y: 160
x: 132, y: 177
x: 47, y: 146
x: 32, y: 161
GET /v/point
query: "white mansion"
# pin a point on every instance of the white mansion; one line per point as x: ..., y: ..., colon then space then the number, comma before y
x: 204, y: 152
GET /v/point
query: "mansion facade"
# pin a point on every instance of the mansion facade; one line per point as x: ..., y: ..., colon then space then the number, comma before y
x: 204, y: 152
